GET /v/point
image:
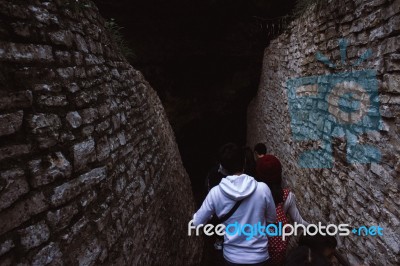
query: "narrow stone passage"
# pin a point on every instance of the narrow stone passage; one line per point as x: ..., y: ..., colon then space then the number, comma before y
x: 341, y: 159
x: 90, y: 173
x: 112, y: 114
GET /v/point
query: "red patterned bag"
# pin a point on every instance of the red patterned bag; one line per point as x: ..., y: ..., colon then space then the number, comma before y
x: 276, y: 246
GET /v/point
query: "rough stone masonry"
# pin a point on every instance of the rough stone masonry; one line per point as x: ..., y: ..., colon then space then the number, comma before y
x: 90, y: 173
x: 358, y: 194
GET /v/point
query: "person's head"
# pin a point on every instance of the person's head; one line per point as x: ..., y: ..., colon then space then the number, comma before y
x: 232, y: 158
x: 269, y: 170
x: 260, y: 150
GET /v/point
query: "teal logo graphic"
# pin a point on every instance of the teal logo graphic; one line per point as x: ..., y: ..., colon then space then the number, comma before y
x: 374, y: 230
x: 344, y: 104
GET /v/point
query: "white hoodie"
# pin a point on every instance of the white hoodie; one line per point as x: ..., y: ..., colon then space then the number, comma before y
x: 257, y: 206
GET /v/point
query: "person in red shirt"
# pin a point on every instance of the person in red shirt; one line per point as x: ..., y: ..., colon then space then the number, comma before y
x: 269, y: 171
x: 260, y: 150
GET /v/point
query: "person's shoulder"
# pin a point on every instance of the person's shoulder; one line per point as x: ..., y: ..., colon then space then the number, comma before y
x: 213, y: 195
x: 264, y: 191
x: 263, y: 187
x: 215, y: 190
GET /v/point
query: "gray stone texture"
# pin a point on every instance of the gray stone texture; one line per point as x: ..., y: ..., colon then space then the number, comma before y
x: 34, y: 235
x: 90, y: 173
x: 84, y: 153
x: 44, y: 171
x: 12, y: 186
x: 10, y: 123
x: 357, y: 194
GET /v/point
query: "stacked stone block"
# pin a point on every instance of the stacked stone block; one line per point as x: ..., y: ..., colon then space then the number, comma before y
x: 90, y: 173
x: 353, y: 193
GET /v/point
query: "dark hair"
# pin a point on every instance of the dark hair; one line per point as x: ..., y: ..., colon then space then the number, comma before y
x: 250, y: 163
x: 276, y: 191
x: 231, y: 158
x: 260, y: 148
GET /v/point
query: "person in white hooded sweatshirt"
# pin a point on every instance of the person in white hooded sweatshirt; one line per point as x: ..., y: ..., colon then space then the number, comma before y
x: 257, y: 207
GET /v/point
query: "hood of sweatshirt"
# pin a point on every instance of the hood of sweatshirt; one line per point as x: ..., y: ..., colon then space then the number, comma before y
x: 238, y: 187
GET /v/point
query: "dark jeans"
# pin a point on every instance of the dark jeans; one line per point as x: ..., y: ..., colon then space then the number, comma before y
x: 265, y: 263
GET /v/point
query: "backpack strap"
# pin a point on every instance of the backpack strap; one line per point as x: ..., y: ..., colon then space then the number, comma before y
x: 225, y: 217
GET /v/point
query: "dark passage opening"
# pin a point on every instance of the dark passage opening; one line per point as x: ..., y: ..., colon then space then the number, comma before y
x: 204, y: 59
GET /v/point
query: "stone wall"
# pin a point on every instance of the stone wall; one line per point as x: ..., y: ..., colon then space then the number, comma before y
x: 354, y: 193
x: 90, y: 173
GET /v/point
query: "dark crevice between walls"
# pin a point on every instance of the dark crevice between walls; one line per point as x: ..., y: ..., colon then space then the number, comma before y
x: 204, y: 59
x: 90, y: 173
